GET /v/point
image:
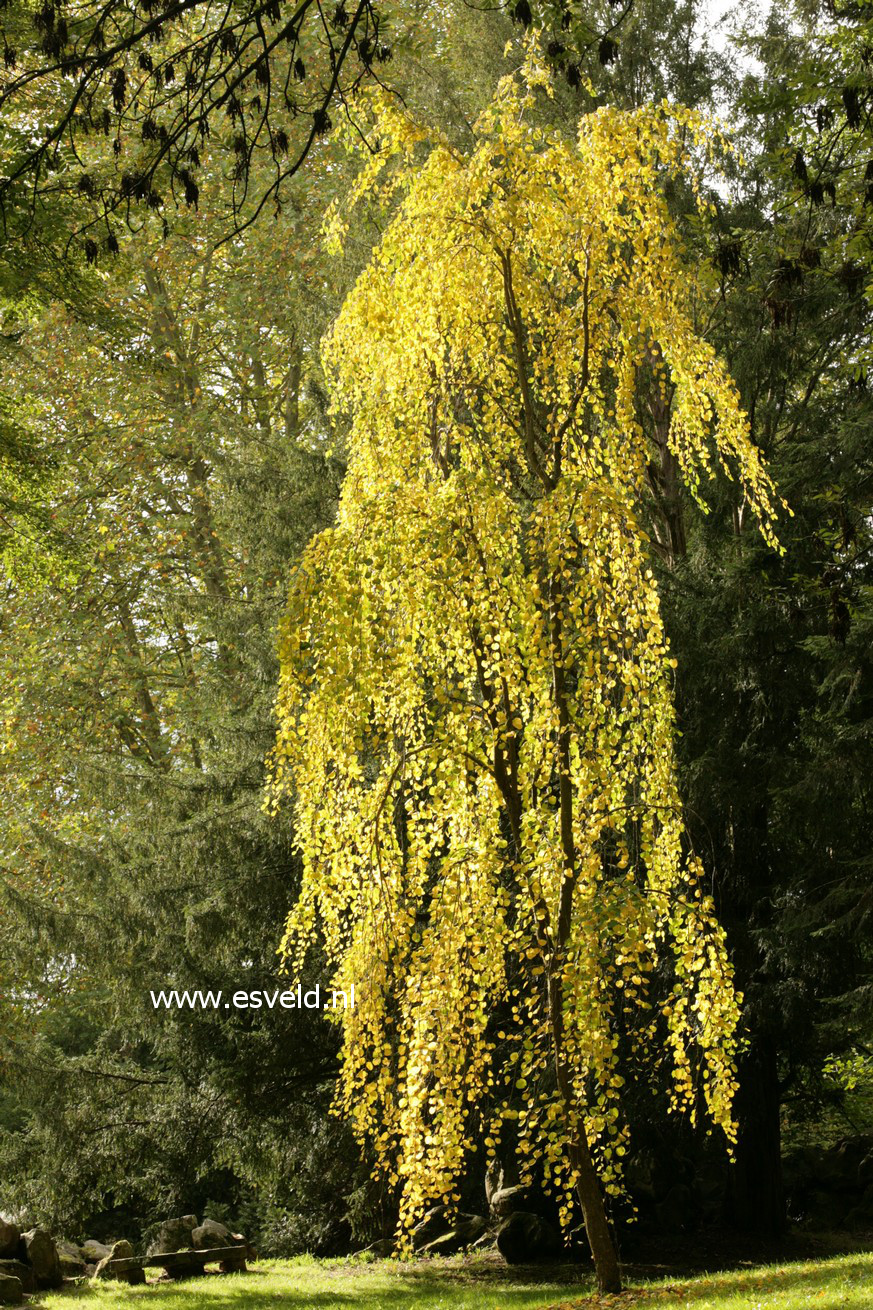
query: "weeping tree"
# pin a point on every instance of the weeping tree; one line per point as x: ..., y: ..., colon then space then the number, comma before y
x: 475, y: 713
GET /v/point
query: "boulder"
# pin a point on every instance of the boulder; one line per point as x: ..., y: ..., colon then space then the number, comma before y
x: 94, y: 1251
x: 23, y: 1272
x: 861, y: 1216
x: 11, y: 1292
x: 381, y: 1249
x: 825, y: 1209
x: 185, y: 1264
x: 72, y: 1264
x: 71, y: 1267
x: 852, y: 1150
x: 173, y: 1235
x: 436, y: 1222
x: 509, y: 1200
x: 525, y: 1238
x: 9, y: 1238
x: 639, y: 1177
x: 239, y: 1240
x: 121, y: 1265
x: 42, y: 1255
x: 121, y: 1271
x: 211, y: 1234
x: 458, y: 1238
x: 865, y: 1171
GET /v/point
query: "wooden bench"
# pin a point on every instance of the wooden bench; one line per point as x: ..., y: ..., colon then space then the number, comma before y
x: 179, y: 1264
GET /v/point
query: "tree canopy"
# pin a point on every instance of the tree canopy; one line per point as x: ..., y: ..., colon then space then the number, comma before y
x: 475, y: 706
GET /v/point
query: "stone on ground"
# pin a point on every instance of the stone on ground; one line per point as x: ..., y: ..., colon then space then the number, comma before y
x: 211, y: 1234
x: 9, y: 1238
x: 42, y: 1256
x: 173, y: 1235
x: 526, y: 1238
x: 10, y: 1290
x: 92, y: 1250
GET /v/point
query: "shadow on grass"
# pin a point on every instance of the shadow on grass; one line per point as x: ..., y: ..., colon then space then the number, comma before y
x: 482, y: 1285
x: 804, y: 1284
x: 335, y: 1286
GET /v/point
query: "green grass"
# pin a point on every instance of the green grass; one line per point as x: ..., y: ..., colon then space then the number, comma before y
x: 844, y: 1283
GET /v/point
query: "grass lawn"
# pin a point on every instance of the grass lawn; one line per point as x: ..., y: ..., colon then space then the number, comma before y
x: 844, y: 1283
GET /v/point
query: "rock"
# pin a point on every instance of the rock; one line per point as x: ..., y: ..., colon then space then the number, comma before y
x: 121, y: 1265
x: 173, y: 1235
x: 823, y: 1209
x: 11, y: 1292
x: 436, y: 1222
x: 639, y: 1177
x: 509, y: 1200
x: 71, y: 1267
x: 709, y: 1191
x: 211, y: 1234
x: 72, y: 1264
x: 239, y: 1240
x: 495, y: 1179
x: 381, y: 1249
x: 464, y: 1234
x: 852, y: 1150
x: 42, y: 1256
x: 23, y: 1272
x: 185, y: 1265
x: 121, y: 1271
x: 861, y: 1216
x: 94, y: 1251
x: 525, y: 1238
x: 9, y: 1238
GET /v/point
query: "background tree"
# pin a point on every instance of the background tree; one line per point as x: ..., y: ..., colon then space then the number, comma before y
x: 181, y: 467
x: 773, y: 680
x: 183, y: 86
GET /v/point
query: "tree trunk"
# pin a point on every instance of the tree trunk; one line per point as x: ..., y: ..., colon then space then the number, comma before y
x: 587, y: 1185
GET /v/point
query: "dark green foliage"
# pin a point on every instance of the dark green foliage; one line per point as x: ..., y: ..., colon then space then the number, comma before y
x: 182, y: 477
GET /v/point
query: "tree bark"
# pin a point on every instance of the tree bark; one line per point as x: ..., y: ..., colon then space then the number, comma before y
x: 587, y: 1183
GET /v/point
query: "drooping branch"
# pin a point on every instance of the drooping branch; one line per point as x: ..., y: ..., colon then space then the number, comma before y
x: 219, y: 63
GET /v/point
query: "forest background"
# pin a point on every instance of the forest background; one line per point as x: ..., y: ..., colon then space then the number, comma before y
x: 167, y: 450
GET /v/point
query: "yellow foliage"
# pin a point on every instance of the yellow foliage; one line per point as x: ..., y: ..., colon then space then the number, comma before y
x: 475, y: 714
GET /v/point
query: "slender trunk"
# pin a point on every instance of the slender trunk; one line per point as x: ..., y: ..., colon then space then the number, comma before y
x: 665, y: 481
x: 587, y: 1183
